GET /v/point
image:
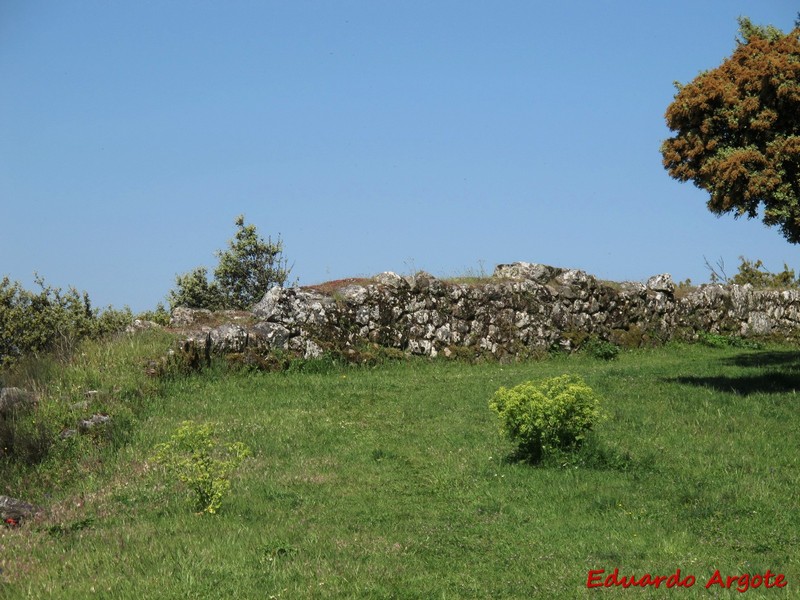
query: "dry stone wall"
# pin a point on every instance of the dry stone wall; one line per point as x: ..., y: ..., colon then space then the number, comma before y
x: 523, y: 308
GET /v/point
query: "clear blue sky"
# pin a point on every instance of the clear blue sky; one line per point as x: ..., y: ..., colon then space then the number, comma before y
x: 371, y: 135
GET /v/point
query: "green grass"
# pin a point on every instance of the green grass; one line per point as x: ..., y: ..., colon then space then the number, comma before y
x: 393, y: 482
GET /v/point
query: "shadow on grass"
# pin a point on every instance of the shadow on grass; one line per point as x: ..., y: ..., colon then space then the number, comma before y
x: 769, y: 383
x: 593, y: 455
x: 789, y: 359
x: 780, y: 374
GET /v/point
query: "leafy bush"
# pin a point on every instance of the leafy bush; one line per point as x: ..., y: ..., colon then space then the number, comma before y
x: 194, y: 291
x: 250, y: 267
x: 601, y: 349
x: 50, y: 320
x: 195, y: 457
x: 547, y: 416
x: 754, y: 272
x: 159, y: 316
x: 246, y: 271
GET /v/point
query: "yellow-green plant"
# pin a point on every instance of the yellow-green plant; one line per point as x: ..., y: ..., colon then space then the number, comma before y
x: 550, y: 415
x: 199, y: 461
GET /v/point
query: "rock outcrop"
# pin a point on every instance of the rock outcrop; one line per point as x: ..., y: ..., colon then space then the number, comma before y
x: 13, y: 511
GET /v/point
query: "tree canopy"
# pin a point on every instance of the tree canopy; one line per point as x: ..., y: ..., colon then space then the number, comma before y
x: 250, y: 267
x: 737, y: 130
x: 246, y: 271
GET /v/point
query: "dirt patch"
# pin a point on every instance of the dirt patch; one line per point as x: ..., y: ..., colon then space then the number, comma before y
x: 329, y: 287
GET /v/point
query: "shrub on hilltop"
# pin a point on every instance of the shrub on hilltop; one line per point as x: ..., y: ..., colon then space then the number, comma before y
x: 754, y: 272
x: 246, y: 271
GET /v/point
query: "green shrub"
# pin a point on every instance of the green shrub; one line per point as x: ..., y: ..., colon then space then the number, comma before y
x: 195, y: 291
x: 159, y: 316
x: 756, y: 274
x: 601, y: 349
x: 194, y: 456
x: 33, y: 322
x: 246, y: 271
x: 249, y: 267
x: 551, y: 415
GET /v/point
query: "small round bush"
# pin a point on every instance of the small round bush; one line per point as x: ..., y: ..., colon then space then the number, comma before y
x: 601, y: 349
x: 546, y: 416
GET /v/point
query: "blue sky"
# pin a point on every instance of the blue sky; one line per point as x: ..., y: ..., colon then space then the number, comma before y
x: 370, y: 135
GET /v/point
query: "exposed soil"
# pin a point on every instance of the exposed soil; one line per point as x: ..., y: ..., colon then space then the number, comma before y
x: 329, y: 287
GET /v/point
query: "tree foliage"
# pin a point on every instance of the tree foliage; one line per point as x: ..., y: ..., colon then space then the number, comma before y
x: 250, y: 267
x: 246, y: 271
x: 756, y: 274
x: 737, y: 130
x: 193, y: 290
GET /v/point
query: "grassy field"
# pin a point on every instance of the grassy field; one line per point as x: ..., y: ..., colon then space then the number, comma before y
x: 393, y: 482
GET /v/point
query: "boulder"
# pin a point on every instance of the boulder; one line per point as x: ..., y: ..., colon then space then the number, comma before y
x: 268, y: 306
x: 85, y: 425
x: 420, y: 281
x: 354, y: 294
x: 524, y: 270
x: 13, y: 510
x: 312, y: 350
x: 141, y: 324
x: 661, y: 283
x: 229, y: 338
x: 574, y: 278
x: 293, y: 305
x: 270, y: 335
x: 390, y: 280
x: 758, y: 323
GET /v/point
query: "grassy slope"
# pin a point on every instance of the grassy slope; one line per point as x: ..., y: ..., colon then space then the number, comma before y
x: 393, y: 482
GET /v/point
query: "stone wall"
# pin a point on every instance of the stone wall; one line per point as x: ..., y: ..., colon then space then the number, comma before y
x: 522, y: 309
